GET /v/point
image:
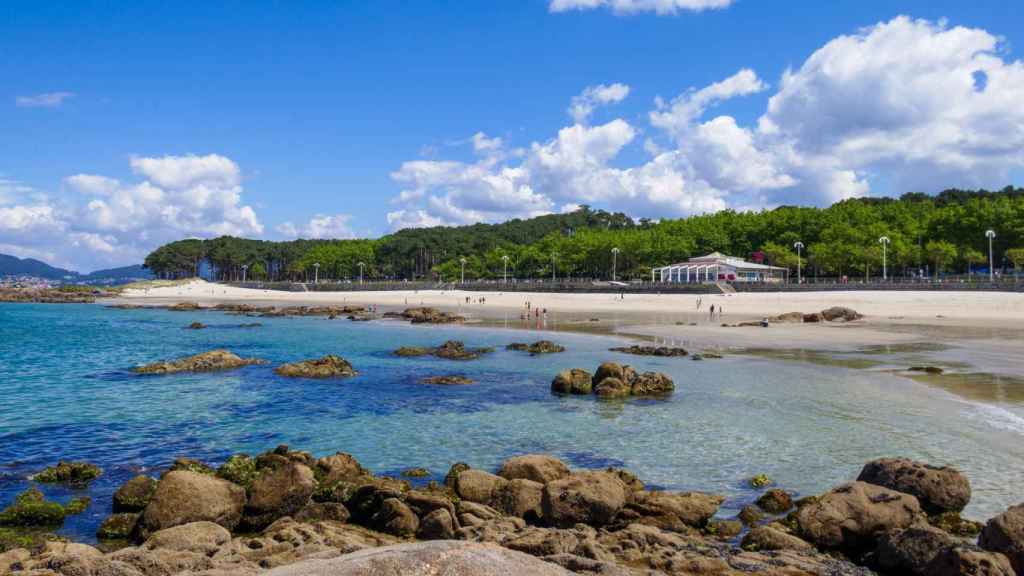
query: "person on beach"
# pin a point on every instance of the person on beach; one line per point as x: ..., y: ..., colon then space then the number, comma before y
x: 712, y: 315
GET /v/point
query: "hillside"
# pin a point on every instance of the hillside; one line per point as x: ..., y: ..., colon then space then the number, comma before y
x: 14, y: 266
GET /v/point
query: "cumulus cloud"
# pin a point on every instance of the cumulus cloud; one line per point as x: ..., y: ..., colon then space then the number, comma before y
x: 321, y: 226
x: 109, y: 222
x: 901, y: 105
x: 583, y: 106
x: 633, y: 6
x: 46, y: 100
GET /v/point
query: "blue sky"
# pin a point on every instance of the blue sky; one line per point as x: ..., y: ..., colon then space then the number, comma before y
x: 123, y: 125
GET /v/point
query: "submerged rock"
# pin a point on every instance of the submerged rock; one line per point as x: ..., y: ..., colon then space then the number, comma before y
x: 666, y: 351
x: 938, y: 489
x: 70, y: 473
x: 926, y: 369
x: 447, y: 380
x: 538, y: 347
x: 450, y: 350
x: 195, y: 326
x: 205, y: 362
x: 329, y: 366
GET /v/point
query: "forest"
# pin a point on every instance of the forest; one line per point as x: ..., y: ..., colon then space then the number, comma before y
x: 935, y: 235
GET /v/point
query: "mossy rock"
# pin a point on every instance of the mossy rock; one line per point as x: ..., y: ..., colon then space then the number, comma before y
x: 447, y: 380
x: 190, y: 465
x: 118, y: 526
x: 330, y: 366
x: 31, y: 508
x: 71, y: 473
x: 77, y: 505
x: 954, y: 524
x: 750, y: 515
x: 196, y: 326
x: 33, y: 540
x: 723, y: 529
x: 240, y: 469
x: 759, y: 481
x: 407, y: 351
x: 135, y: 494
x: 415, y: 473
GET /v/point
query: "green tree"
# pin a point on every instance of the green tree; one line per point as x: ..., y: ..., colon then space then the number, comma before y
x: 940, y: 252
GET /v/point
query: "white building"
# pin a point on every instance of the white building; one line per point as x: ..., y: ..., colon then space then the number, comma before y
x: 717, y: 267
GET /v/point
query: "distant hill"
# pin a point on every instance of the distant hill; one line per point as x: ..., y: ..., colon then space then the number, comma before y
x: 13, y: 266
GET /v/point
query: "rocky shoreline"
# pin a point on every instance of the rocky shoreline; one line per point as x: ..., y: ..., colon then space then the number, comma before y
x: 288, y: 512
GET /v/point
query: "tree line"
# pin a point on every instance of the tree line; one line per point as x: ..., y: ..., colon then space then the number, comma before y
x: 940, y: 234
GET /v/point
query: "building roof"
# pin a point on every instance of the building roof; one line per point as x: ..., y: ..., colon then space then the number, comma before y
x: 717, y: 258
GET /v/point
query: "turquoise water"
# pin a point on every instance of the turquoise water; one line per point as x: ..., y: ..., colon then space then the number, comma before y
x: 66, y: 393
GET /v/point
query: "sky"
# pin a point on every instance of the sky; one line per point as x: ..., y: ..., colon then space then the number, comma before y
x: 125, y: 125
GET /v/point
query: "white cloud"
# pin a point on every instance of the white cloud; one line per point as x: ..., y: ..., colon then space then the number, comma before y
x: 47, y: 100
x: 484, y: 145
x: 320, y: 226
x: 108, y: 222
x: 632, y: 6
x: 906, y: 104
x: 583, y: 106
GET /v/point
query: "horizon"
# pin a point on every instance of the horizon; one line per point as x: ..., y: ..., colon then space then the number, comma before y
x: 129, y: 128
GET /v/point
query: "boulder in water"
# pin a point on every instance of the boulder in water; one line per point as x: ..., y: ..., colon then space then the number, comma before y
x: 329, y: 366
x: 447, y: 380
x: 205, y: 362
x: 135, y: 494
x: 574, y: 381
x: 69, y: 473
x: 938, y: 489
x: 538, y: 347
x: 664, y: 351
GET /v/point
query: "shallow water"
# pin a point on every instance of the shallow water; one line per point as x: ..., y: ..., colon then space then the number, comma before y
x: 67, y: 393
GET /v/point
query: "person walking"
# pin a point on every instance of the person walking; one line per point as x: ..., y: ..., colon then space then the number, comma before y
x: 712, y: 315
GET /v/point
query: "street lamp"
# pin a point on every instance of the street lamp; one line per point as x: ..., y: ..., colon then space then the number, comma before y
x: 361, y: 272
x: 463, y: 262
x: 799, y: 246
x: 244, y: 268
x: 884, y: 241
x: 990, y: 234
x: 504, y: 273
x: 615, y: 253
x: 316, y: 272
x: 553, y: 266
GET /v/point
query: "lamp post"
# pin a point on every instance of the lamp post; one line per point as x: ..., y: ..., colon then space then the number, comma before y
x: 990, y: 234
x: 884, y: 241
x: 615, y: 254
x: 316, y: 272
x: 504, y: 272
x: 361, y: 272
x: 799, y: 246
x: 553, y: 267
x: 244, y: 268
x: 463, y: 277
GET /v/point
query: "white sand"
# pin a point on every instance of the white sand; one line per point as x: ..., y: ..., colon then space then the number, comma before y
x: 980, y: 308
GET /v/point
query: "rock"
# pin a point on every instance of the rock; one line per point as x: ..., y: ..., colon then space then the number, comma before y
x: 665, y: 351
x: 1005, y: 534
x: 759, y: 481
x: 394, y: 517
x: 966, y: 559
x: 910, y: 551
x: 750, y: 515
x: 612, y: 388
x: 521, y: 498
x: 538, y: 347
x: 574, y: 381
x: 277, y: 492
x: 592, y: 498
x: 775, y: 501
x: 425, y: 315
x: 321, y: 511
x: 182, y: 497
x: 610, y: 370
x: 537, y: 467
x: 652, y: 384
x: 408, y: 351
x: 769, y: 538
x: 926, y: 369
x: 851, y: 516
x: 329, y: 366
x: 31, y: 508
x: 456, y: 350
x: 191, y: 465
x: 937, y: 489
x: 478, y: 486
x: 70, y: 473
x: 204, y: 538
x: 195, y: 326
x: 439, y: 557
x: 840, y: 313
x: 447, y: 380
x: 118, y: 526
x: 675, y: 511
x: 437, y: 525
x: 135, y: 494
x: 723, y: 529
x: 12, y: 558
x: 414, y: 473
x: 813, y: 317
x: 205, y: 362
x: 787, y: 318
x: 453, y: 474
x: 423, y: 502
x: 340, y: 466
